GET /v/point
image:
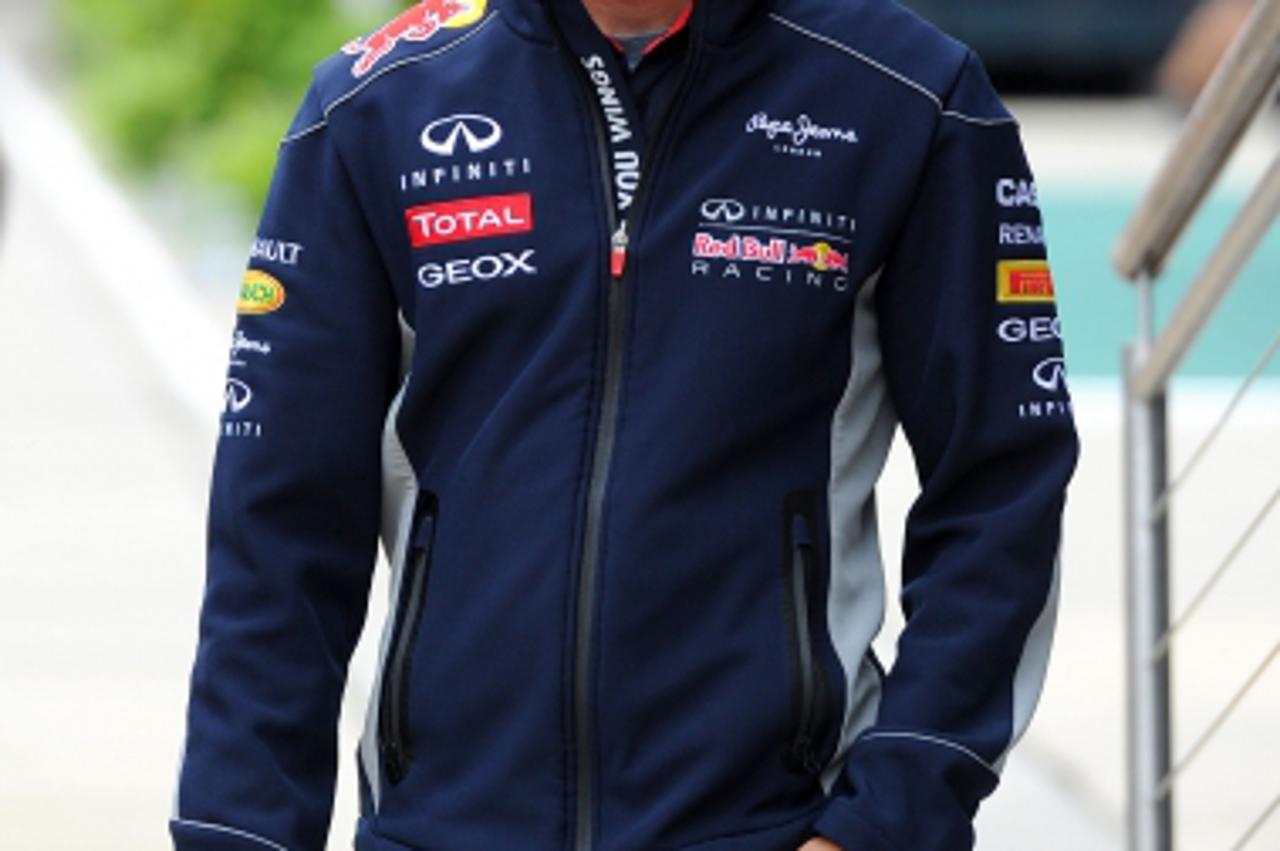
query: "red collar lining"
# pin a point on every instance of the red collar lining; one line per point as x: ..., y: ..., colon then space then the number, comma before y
x: 676, y: 26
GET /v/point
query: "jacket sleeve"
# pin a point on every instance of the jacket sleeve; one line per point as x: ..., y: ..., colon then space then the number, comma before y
x: 293, y: 513
x: 974, y: 364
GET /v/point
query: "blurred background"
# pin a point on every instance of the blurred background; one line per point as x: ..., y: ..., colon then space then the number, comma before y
x: 136, y: 142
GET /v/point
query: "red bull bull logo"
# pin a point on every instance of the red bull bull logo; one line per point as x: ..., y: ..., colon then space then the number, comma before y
x: 820, y: 256
x: 416, y: 24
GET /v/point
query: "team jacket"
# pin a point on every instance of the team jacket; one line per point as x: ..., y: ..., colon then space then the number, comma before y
x: 614, y: 394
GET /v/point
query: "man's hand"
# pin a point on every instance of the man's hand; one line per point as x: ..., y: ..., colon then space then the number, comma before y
x: 819, y: 843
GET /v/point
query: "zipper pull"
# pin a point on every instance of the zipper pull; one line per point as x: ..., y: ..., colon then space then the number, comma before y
x: 618, y: 251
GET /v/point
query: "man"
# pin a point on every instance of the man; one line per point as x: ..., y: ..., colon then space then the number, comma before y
x: 605, y: 314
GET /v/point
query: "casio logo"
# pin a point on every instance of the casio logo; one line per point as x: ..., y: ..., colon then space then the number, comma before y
x: 1013, y: 193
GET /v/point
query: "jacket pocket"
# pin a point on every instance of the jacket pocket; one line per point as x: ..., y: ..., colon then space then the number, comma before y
x: 394, y: 743
x: 802, y: 578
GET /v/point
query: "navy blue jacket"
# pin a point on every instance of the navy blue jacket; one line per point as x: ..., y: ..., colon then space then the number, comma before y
x: 614, y: 385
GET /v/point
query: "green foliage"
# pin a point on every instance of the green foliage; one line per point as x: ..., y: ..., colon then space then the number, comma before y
x: 209, y: 85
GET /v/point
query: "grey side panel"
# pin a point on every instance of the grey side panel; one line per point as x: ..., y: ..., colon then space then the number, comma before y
x: 399, y: 494
x: 861, y: 432
x: 1033, y: 665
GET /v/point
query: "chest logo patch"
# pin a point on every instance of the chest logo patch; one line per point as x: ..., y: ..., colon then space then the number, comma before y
x: 478, y: 133
x: 463, y: 220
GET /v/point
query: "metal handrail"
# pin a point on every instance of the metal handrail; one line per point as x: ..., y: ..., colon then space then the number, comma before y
x: 1213, y: 131
x: 1257, y: 824
x: 1161, y: 647
x: 1219, y: 119
x: 1222, y: 269
x: 1162, y: 504
x: 1166, y: 783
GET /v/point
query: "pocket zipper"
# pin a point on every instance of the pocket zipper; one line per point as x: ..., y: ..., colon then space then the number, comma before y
x: 803, y: 746
x: 393, y: 735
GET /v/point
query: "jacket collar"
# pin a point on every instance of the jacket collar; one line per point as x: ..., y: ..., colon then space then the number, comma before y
x: 718, y: 22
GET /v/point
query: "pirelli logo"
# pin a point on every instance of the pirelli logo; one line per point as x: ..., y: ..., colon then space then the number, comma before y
x: 1024, y: 282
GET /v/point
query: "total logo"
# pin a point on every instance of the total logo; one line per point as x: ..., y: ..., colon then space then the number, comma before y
x: 487, y: 267
x: 819, y: 255
x: 466, y: 219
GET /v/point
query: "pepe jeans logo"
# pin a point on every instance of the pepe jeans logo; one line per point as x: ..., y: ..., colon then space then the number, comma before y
x: 800, y: 136
x: 242, y: 342
x: 478, y: 133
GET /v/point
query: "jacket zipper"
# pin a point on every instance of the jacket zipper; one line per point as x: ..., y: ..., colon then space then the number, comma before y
x: 620, y: 240
x: 803, y: 747
x: 393, y: 734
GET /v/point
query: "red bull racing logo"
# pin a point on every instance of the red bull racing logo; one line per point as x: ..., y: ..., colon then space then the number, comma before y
x: 819, y: 256
x: 773, y: 243
x: 416, y: 24
x: 771, y: 259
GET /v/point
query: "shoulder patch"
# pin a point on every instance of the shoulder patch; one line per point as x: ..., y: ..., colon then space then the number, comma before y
x: 417, y: 24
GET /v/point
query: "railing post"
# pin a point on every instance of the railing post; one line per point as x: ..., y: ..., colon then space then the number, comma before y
x: 1150, y: 814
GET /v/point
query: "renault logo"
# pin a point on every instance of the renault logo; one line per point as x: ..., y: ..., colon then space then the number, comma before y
x: 478, y: 132
x: 723, y: 210
x: 1051, y: 374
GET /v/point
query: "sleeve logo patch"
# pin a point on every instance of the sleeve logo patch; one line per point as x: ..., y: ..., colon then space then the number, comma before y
x: 260, y: 293
x: 1024, y: 282
x: 419, y: 23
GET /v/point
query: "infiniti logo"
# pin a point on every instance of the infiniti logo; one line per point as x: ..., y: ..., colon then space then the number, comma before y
x: 478, y: 132
x: 723, y: 210
x: 238, y: 395
x: 1051, y: 374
